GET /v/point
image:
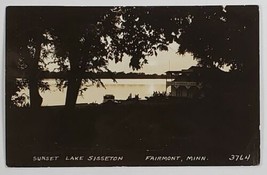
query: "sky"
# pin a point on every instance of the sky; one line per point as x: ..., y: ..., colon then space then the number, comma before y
x: 164, y: 61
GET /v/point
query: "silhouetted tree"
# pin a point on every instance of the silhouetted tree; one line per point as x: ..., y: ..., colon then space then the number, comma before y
x: 215, y: 35
x: 219, y: 36
x: 87, y: 38
x: 25, y: 39
x: 80, y: 40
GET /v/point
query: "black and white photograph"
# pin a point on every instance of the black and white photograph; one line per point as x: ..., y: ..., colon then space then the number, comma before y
x: 106, y: 86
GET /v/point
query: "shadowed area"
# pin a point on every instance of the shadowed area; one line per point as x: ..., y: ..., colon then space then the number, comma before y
x: 180, y: 127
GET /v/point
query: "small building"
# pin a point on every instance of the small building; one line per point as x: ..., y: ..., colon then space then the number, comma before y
x: 191, y: 83
x: 108, y: 98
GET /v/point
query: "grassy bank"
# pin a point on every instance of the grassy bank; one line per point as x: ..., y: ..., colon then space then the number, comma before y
x: 214, y: 128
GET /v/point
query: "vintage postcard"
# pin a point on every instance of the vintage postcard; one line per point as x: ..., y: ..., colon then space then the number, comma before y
x: 132, y: 86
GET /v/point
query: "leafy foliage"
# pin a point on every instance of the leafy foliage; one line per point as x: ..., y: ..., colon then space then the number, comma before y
x: 19, y: 98
x: 83, y: 40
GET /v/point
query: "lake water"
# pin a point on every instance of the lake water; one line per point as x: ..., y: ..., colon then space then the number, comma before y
x: 120, y: 89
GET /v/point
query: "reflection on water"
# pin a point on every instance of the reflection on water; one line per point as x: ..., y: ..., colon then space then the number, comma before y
x: 121, y: 90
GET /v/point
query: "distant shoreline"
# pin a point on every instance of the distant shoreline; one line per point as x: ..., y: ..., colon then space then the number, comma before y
x: 46, y: 75
x: 102, y: 78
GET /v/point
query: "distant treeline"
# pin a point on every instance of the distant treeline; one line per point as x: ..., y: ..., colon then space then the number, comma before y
x: 103, y: 75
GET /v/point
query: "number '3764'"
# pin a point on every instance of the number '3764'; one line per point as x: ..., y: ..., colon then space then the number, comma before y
x: 239, y: 157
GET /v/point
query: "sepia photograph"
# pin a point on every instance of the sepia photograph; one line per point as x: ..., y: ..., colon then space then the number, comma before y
x: 101, y: 86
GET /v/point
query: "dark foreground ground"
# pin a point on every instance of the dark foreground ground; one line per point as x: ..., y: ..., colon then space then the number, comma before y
x: 216, y: 129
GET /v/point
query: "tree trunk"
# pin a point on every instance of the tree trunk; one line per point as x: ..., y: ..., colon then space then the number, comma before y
x: 35, y: 98
x: 74, y: 79
x: 72, y: 92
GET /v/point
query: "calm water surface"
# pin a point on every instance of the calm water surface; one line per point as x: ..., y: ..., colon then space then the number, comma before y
x: 120, y: 89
